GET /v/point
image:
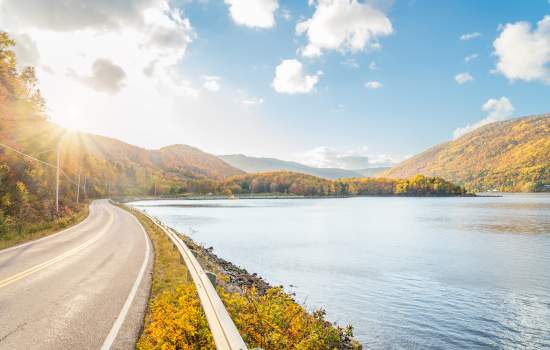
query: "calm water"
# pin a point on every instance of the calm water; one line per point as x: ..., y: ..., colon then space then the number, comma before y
x: 425, y: 273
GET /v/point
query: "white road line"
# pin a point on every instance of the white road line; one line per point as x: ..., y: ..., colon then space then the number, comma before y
x: 108, y: 342
x: 42, y: 266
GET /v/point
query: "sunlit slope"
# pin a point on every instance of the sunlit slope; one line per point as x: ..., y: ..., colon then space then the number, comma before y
x: 512, y: 155
x: 179, y: 160
x: 112, y: 166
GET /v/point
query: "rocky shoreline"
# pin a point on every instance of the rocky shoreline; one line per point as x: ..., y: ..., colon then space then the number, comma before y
x: 229, y: 275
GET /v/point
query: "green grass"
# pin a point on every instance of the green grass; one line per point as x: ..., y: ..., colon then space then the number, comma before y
x: 169, y: 272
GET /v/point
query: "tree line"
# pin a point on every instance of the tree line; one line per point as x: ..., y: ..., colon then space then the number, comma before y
x: 284, y: 182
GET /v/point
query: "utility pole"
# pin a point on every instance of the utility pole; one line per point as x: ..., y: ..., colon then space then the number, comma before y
x: 78, y: 187
x: 85, y: 191
x: 57, y: 179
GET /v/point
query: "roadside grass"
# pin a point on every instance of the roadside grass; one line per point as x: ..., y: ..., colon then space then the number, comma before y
x: 17, y: 234
x: 174, y: 319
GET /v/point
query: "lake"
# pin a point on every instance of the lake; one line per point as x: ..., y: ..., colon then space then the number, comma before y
x: 426, y: 273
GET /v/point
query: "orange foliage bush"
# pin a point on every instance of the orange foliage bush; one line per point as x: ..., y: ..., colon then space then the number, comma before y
x: 177, y: 322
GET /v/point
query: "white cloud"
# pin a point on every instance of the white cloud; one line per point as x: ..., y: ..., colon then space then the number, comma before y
x: 471, y: 57
x: 496, y: 109
x: 286, y: 14
x: 252, y: 101
x: 384, y: 160
x: 462, y: 78
x: 373, y: 85
x: 326, y: 157
x: 290, y: 78
x: 75, y: 15
x: 253, y: 13
x: 351, y: 159
x: 105, y: 77
x: 344, y: 25
x: 524, y: 52
x: 470, y: 36
x: 211, y: 83
x: 145, y: 32
x: 350, y: 62
x: 373, y: 66
x: 339, y: 108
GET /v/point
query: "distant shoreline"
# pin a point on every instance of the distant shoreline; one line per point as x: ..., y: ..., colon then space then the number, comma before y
x: 260, y: 196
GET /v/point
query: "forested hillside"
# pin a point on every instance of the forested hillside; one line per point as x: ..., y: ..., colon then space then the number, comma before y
x: 30, y: 146
x: 512, y: 155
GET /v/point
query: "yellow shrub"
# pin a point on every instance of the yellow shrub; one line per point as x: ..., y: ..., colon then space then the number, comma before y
x: 275, y: 321
x: 177, y: 322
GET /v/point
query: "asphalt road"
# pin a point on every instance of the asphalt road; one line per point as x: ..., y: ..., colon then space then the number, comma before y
x: 84, y: 288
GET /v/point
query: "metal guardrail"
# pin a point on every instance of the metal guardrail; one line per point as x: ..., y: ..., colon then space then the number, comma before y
x: 224, y: 331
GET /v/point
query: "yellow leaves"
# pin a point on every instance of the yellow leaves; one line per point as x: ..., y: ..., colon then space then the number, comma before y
x: 491, y: 158
x: 271, y: 321
x: 275, y: 321
x: 176, y: 322
x: 21, y: 188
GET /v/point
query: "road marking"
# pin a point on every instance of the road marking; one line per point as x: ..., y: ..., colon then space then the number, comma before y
x: 42, y: 266
x: 108, y: 342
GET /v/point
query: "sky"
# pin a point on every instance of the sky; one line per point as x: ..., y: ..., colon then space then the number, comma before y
x: 329, y: 83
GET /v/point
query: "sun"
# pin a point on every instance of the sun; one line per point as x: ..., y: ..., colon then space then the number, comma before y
x: 71, y: 119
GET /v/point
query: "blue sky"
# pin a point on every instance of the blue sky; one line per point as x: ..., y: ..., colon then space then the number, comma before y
x: 419, y: 102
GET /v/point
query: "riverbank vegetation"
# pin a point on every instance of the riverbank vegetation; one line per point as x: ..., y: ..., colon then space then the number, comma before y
x: 283, y: 182
x: 267, y: 317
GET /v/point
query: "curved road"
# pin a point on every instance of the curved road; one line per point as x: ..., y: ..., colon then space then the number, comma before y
x: 83, y: 288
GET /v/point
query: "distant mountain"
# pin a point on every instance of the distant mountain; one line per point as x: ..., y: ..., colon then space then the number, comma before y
x: 183, y: 158
x: 371, y: 172
x: 512, y: 155
x: 260, y: 165
x: 180, y: 161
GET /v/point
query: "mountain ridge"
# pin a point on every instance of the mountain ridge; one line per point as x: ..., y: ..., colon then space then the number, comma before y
x: 510, y: 155
x: 266, y: 164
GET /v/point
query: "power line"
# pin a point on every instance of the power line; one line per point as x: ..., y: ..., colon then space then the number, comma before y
x: 27, y: 155
x: 40, y: 161
x: 46, y: 151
